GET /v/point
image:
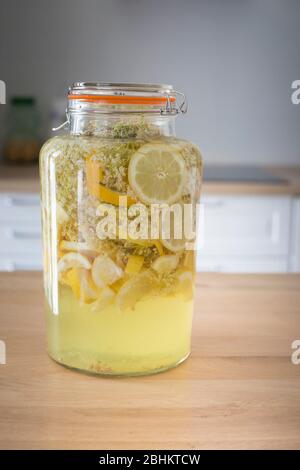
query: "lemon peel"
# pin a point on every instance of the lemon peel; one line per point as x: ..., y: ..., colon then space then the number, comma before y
x: 105, y: 271
x: 165, y: 264
x: 73, y: 260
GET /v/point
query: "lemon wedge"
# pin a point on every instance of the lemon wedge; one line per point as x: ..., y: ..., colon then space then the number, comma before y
x: 134, y: 264
x: 71, y: 279
x: 81, y: 283
x: 73, y: 260
x: 116, y: 286
x: 105, y: 299
x: 88, y: 290
x: 105, y: 271
x: 156, y: 173
x: 165, y: 264
x: 135, y: 289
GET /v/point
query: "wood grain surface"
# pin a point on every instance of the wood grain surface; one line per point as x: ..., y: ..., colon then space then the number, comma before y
x: 238, y: 389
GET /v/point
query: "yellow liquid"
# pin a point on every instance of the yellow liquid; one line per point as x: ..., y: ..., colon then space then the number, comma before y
x: 153, y: 337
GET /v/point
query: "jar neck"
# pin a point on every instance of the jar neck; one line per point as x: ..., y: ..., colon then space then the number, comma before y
x: 121, y: 125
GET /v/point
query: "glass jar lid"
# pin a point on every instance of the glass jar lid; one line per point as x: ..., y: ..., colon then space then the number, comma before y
x: 125, y: 97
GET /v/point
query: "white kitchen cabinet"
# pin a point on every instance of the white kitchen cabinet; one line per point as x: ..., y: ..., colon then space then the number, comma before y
x: 20, y: 232
x: 20, y: 262
x: 19, y: 207
x: 244, y: 233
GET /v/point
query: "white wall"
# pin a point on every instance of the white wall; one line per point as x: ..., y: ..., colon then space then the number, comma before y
x: 236, y: 60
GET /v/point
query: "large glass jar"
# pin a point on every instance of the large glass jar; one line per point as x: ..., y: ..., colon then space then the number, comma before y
x: 119, y: 196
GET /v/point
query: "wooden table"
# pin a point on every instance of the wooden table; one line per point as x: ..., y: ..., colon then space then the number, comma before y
x: 239, y: 388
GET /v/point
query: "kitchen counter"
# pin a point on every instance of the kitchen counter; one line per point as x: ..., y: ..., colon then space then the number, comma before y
x: 238, y: 389
x: 25, y: 179
x: 19, y: 178
x: 290, y: 184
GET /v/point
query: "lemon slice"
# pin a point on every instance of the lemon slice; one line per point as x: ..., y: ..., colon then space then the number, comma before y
x: 135, y: 289
x: 106, y: 298
x: 81, y: 283
x: 105, y: 271
x: 165, y: 264
x: 156, y: 173
x: 88, y: 290
x: 73, y: 260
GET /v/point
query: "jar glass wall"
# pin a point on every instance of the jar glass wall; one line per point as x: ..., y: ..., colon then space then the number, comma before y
x: 119, y: 263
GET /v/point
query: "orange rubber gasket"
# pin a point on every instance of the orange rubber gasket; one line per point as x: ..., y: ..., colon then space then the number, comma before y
x: 123, y: 99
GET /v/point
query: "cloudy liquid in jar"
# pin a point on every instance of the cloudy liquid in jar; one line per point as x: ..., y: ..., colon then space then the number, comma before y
x: 154, y: 336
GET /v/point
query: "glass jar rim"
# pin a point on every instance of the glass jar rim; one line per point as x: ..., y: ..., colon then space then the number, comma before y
x: 136, y: 98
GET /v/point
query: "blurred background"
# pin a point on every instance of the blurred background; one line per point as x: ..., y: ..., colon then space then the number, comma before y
x: 235, y: 60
